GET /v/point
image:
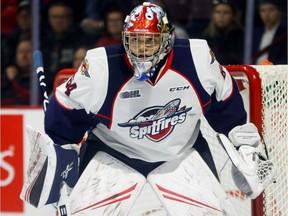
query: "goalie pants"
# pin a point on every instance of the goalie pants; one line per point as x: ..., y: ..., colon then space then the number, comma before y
x: 93, y: 144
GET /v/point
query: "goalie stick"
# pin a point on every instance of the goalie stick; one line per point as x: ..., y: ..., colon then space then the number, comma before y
x: 39, y: 68
x: 229, y: 150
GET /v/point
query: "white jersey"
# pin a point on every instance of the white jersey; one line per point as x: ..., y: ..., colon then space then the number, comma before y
x: 143, y: 120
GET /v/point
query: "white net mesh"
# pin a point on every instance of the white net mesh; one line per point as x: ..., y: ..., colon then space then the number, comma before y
x: 274, y: 86
x: 275, y: 133
x: 223, y: 165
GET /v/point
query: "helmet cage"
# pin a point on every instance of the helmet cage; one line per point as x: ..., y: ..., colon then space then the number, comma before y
x: 153, y: 45
x: 146, y: 47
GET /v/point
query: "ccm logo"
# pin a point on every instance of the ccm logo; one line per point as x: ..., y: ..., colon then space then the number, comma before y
x: 179, y: 88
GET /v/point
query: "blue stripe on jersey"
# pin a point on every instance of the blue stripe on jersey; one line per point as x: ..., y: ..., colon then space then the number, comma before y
x: 119, y: 73
x: 223, y: 116
x: 183, y: 62
x: 219, y: 111
x: 67, y: 126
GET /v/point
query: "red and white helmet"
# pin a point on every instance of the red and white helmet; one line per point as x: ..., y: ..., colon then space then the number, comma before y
x: 148, y: 37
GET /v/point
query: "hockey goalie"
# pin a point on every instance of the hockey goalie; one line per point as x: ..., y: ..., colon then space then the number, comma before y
x: 141, y: 105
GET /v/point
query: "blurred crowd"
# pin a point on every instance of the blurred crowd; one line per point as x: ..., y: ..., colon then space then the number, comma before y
x: 70, y: 27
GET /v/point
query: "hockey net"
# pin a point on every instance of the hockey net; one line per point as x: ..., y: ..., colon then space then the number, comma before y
x: 264, y: 90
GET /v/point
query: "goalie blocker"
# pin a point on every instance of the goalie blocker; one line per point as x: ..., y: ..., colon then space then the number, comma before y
x: 49, y: 166
x: 252, y: 172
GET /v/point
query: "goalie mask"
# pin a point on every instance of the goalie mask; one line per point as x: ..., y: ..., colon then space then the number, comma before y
x: 148, y: 37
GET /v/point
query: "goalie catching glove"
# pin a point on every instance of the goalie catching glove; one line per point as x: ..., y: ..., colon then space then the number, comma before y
x: 251, y: 170
x: 49, y: 166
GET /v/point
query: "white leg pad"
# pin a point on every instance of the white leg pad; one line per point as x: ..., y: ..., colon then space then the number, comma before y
x: 49, y: 165
x: 186, y: 186
x: 148, y: 204
x: 106, y: 187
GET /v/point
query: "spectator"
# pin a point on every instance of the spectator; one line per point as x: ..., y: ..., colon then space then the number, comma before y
x: 21, y: 31
x: 60, y: 41
x: 113, y: 23
x: 79, y: 56
x: 8, y: 12
x: 95, y: 13
x: 77, y: 8
x: 225, y: 34
x: 180, y: 32
x: 24, y: 20
x: 15, y: 82
x: 192, y: 15
x: 270, y: 38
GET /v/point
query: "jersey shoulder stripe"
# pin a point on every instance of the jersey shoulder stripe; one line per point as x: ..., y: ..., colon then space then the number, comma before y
x: 119, y: 74
x: 183, y: 62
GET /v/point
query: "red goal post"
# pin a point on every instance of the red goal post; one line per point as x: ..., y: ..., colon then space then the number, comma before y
x: 254, y: 81
x: 255, y: 109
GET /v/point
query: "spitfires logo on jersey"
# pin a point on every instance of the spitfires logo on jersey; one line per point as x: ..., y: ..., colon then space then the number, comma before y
x: 157, y: 122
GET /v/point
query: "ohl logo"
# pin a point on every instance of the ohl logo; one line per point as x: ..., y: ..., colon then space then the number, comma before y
x: 157, y: 122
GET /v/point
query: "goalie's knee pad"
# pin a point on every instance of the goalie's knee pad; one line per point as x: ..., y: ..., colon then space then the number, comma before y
x: 49, y: 165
